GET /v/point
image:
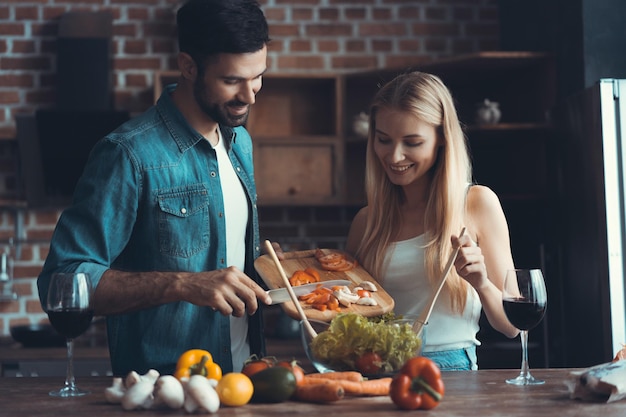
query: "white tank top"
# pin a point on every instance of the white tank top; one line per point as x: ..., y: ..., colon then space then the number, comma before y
x: 405, y: 280
x: 236, y: 217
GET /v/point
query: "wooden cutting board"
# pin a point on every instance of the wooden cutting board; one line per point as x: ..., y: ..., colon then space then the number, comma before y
x: 300, y: 260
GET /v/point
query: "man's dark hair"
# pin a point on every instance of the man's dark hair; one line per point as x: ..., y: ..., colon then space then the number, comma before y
x: 211, y: 27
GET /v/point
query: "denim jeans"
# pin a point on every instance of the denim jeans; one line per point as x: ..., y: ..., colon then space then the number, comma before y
x: 455, y: 360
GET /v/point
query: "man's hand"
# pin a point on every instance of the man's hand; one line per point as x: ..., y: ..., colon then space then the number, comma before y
x: 228, y: 291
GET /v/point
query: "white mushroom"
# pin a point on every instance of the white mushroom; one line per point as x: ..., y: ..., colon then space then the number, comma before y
x: 168, y: 391
x: 115, y: 392
x: 367, y: 301
x: 133, y: 377
x: 139, y: 390
x: 200, y: 395
x: 343, y: 288
x: 369, y: 286
x: 139, y: 396
x: 346, y: 298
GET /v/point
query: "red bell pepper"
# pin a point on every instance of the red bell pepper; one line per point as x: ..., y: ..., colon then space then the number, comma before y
x: 418, y: 384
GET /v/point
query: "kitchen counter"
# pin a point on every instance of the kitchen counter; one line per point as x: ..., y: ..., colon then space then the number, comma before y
x: 482, y: 393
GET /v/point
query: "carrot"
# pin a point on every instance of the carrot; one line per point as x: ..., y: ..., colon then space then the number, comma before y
x: 346, y: 375
x: 370, y: 387
x: 320, y: 393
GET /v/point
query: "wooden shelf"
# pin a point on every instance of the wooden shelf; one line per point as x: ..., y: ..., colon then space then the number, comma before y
x: 294, y: 104
x: 301, y: 125
x: 508, y: 127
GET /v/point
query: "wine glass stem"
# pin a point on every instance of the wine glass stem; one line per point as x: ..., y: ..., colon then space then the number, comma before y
x: 69, y: 379
x: 524, y: 339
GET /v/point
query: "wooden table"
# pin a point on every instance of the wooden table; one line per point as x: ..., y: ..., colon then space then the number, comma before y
x: 478, y: 393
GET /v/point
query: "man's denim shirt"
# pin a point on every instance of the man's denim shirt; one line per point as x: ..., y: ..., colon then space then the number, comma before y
x: 150, y: 199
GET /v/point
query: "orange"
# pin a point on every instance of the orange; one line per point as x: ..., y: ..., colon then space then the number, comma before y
x: 235, y: 389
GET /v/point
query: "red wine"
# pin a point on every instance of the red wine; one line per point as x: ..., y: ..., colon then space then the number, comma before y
x: 70, y: 322
x: 522, y: 313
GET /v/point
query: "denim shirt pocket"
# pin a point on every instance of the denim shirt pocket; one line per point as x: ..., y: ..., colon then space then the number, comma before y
x: 183, y: 220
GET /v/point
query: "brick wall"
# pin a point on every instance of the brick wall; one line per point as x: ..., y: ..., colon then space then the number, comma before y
x: 318, y: 35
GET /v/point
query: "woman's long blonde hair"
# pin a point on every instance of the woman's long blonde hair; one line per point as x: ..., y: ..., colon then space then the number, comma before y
x: 429, y: 99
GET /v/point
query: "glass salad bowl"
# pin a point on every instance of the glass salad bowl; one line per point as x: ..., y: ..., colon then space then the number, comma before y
x: 375, y: 346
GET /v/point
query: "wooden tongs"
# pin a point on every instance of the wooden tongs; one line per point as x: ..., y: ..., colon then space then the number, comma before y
x: 418, y: 325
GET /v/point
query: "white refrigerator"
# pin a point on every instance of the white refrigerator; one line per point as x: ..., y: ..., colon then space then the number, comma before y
x: 589, y: 304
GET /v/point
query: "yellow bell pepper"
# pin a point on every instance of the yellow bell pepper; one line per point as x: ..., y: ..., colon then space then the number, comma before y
x: 197, y: 362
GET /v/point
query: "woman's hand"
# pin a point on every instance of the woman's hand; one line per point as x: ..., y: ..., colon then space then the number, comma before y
x: 279, y: 251
x: 470, y: 262
x: 470, y: 265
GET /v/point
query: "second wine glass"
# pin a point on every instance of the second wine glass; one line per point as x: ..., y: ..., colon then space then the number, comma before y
x: 70, y: 312
x: 524, y: 299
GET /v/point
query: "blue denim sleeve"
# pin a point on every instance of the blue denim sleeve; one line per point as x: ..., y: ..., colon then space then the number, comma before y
x: 95, y: 228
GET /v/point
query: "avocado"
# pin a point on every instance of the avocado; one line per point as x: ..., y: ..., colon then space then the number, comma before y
x: 273, y: 385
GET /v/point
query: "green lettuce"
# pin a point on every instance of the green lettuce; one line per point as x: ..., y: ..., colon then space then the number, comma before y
x: 350, y: 335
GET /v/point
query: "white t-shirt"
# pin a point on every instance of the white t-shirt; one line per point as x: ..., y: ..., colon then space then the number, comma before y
x: 236, y: 217
x: 405, y: 281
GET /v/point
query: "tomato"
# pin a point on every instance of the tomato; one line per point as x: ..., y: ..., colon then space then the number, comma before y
x: 369, y: 363
x: 254, y: 365
x: 330, y: 258
x: 234, y: 389
x: 341, y: 266
x: 297, y: 370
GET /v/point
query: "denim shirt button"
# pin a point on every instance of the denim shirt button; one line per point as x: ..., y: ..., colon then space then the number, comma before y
x: 221, y: 214
x: 213, y: 174
x: 238, y: 169
x: 183, y: 210
x: 222, y: 260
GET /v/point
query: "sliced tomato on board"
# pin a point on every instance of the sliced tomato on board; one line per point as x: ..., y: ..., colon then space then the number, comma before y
x: 334, y: 261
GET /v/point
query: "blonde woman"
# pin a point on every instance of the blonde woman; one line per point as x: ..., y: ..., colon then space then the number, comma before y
x: 419, y: 194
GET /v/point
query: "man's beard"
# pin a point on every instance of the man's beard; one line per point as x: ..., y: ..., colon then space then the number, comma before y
x: 215, y: 111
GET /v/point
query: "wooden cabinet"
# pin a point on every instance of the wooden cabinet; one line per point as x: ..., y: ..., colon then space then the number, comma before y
x: 298, y: 149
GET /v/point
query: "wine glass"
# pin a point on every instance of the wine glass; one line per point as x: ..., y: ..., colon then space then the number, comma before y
x: 70, y: 312
x: 524, y: 299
